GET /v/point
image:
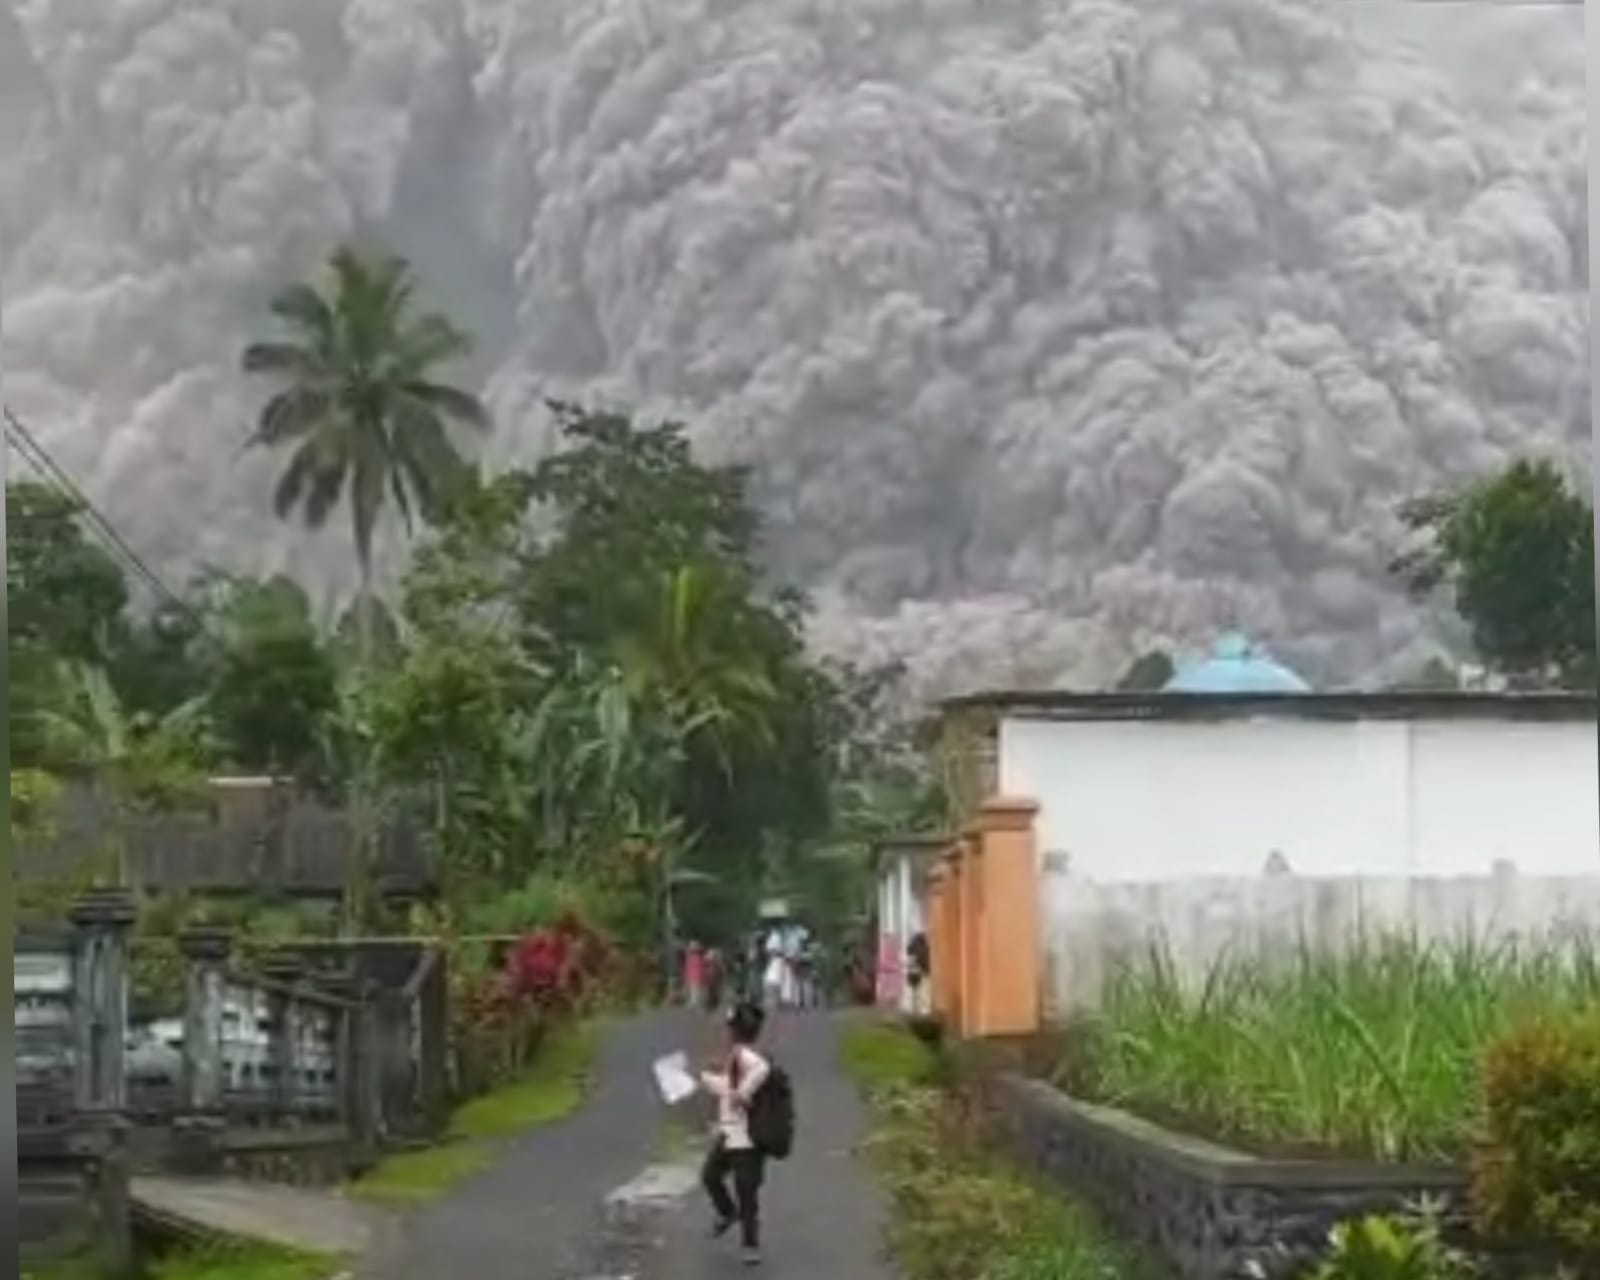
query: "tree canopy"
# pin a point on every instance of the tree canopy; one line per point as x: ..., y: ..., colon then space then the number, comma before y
x: 1515, y: 551
x: 585, y: 676
x: 1148, y: 673
x: 65, y: 600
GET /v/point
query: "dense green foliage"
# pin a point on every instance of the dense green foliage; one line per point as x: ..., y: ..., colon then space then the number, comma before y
x: 1378, y: 1247
x: 65, y: 599
x: 584, y: 674
x: 274, y: 677
x: 671, y: 722
x: 1516, y: 552
x: 1148, y: 673
x: 1374, y: 1052
x: 959, y: 1211
x: 1537, y: 1170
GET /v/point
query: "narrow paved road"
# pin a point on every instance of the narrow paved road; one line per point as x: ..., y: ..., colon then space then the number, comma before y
x: 823, y: 1214
x: 599, y: 1196
x: 536, y: 1213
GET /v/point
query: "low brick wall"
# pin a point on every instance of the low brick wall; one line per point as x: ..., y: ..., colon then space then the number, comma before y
x: 1213, y: 1213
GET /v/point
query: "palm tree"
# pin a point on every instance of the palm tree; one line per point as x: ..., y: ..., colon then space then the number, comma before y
x: 357, y: 401
x: 359, y: 407
x: 690, y: 662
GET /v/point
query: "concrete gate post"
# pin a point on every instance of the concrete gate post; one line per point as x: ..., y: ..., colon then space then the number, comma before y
x: 102, y: 919
x: 200, y: 1125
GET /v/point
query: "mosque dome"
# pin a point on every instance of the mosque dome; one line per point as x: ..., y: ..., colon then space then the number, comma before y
x: 1234, y: 665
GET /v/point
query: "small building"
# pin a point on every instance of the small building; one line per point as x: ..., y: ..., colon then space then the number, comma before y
x: 904, y: 863
x: 1238, y: 807
x: 1237, y: 760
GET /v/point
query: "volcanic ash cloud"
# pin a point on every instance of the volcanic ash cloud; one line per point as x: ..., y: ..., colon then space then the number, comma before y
x: 1055, y: 329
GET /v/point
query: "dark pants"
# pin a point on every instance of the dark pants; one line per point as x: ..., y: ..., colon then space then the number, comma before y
x: 744, y: 1205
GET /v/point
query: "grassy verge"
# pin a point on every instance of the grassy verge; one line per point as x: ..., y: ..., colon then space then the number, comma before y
x: 244, y: 1261
x: 552, y: 1089
x: 241, y: 1260
x: 960, y: 1211
x: 1375, y: 1052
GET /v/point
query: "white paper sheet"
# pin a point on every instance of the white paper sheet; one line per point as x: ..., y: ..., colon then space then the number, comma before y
x: 674, y: 1079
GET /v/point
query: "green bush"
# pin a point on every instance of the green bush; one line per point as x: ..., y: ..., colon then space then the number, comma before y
x: 1537, y: 1172
x: 1392, y: 1247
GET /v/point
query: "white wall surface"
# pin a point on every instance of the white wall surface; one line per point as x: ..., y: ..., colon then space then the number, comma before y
x: 1130, y: 801
x: 900, y: 918
x: 1093, y: 928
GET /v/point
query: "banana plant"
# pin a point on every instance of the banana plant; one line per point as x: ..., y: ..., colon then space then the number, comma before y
x: 147, y: 762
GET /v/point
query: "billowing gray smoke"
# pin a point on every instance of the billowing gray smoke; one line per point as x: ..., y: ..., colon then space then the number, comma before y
x: 1057, y: 328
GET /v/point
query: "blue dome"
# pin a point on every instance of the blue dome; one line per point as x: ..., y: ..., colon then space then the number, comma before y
x: 1236, y: 666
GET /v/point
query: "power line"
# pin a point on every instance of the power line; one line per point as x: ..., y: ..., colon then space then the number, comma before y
x: 56, y: 476
x: 48, y: 469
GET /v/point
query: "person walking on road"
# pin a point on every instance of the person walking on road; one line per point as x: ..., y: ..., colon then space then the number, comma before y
x: 733, y: 1152
x: 918, y: 967
x: 694, y: 976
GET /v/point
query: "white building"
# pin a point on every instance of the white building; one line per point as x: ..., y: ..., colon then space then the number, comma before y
x: 903, y: 866
x: 1170, y: 813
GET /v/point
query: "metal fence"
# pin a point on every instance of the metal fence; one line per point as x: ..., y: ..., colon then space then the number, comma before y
x: 44, y: 987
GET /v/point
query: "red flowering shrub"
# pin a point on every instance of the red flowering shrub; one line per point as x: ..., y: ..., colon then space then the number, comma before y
x: 557, y: 967
x: 494, y: 1031
x: 500, y: 1012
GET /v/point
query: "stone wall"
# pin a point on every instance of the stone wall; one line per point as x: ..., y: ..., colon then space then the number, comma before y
x: 315, y: 1157
x: 1091, y: 928
x: 1211, y: 1212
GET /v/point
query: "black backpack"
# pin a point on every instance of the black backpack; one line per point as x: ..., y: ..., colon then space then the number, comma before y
x: 771, y: 1115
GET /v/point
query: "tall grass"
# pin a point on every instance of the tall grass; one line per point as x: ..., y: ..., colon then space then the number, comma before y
x: 1374, y: 1051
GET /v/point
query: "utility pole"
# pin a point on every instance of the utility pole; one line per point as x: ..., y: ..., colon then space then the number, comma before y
x: 1591, y: 61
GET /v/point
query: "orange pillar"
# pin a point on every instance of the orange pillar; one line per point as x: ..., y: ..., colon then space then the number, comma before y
x: 1008, y: 943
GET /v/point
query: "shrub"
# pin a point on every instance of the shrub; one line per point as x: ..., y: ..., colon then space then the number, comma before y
x: 1537, y: 1173
x: 1394, y: 1247
x: 500, y: 1015
x: 494, y: 1033
x: 1391, y: 1248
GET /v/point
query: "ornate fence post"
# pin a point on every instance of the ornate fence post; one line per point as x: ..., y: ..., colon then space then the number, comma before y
x: 102, y: 919
x: 285, y: 971
x: 201, y: 1123
x: 358, y: 1066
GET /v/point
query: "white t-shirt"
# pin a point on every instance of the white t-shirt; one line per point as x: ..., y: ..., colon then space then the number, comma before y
x: 777, y: 970
x: 733, y: 1103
